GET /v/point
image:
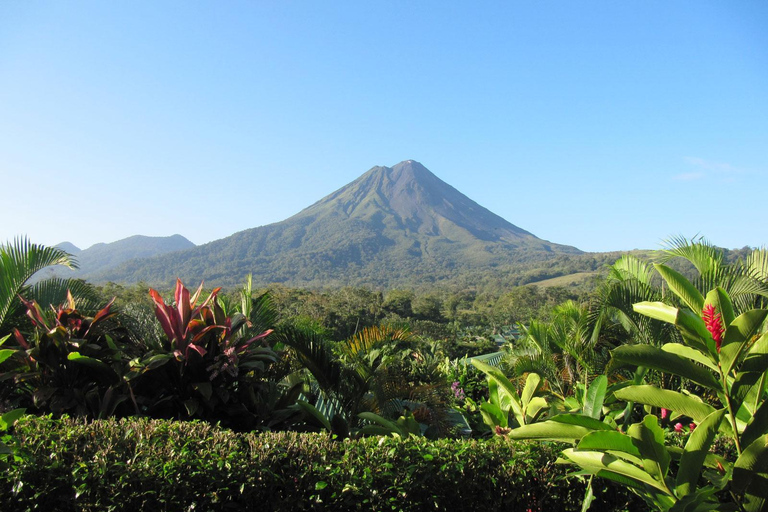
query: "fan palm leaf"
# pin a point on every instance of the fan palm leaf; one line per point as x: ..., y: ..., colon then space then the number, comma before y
x: 745, y: 282
x: 19, y: 261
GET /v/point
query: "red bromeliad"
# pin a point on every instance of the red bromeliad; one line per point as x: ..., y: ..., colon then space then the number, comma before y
x: 714, y: 323
x: 181, y: 323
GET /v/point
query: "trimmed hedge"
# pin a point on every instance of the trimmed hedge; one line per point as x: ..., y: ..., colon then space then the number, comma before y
x: 141, y: 464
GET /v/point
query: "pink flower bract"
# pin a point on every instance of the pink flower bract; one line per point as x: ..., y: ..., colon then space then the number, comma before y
x: 714, y: 323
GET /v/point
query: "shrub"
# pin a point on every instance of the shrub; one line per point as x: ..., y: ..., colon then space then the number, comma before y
x: 140, y: 464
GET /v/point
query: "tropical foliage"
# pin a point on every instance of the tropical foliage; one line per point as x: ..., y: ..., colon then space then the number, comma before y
x: 720, y: 353
x: 657, y: 380
x: 21, y: 260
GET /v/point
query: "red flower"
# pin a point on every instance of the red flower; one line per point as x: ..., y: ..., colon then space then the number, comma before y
x: 714, y: 324
x: 692, y: 426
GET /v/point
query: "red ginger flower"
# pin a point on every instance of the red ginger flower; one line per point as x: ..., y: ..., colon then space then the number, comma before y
x: 714, y: 324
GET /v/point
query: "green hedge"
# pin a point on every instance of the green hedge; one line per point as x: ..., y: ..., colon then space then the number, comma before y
x: 140, y: 464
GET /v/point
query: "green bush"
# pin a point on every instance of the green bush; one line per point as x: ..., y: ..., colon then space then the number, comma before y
x: 140, y: 464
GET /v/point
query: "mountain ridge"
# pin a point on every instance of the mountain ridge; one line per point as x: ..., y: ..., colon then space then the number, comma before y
x: 103, y: 256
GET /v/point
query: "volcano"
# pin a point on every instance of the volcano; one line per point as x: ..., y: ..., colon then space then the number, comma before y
x: 398, y: 226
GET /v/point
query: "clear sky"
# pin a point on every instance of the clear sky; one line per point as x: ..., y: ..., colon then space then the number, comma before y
x: 604, y: 125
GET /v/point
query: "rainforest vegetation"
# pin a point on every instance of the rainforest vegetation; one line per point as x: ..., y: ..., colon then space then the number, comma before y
x: 650, y: 381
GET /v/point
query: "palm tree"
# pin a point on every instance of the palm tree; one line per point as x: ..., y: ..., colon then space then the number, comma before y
x: 561, y: 350
x: 19, y: 261
x: 611, y: 317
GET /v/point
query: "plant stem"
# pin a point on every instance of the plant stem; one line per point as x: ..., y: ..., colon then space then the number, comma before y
x: 731, y: 412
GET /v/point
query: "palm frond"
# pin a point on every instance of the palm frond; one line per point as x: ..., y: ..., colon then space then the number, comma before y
x: 370, y: 338
x: 19, y: 261
x: 757, y: 264
x: 703, y: 255
x: 628, y: 268
x: 53, y: 291
x: 315, y: 354
x: 262, y: 312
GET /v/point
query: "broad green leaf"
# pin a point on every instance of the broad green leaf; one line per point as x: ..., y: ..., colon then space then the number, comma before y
x: 700, y: 501
x: 738, y: 335
x: 682, y: 287
x: 748, y: 474
x: 664, y: 361
x: 408, y: 424
x: 101, y: 367
x: 192, y: 406
x: 751, y: 370
x: 598, y: 462
x: 535, y: 407
x: 667, y: 399
x: 609, y: 441
x: 582, y: 420
x: 755, y: 358
x: 204, y: 388
x: 694, y: 331
x: 757, y: 426
x: 157, y: 361
x: 504, y: 384
x: 657, y: 310
x: 552, y: 430
x: 750, y: 404
x: 6, y: 353
x: 696, y: 450
x: 689, y: 353
x: 493, y: 392
x: 593, y: 402
x: 111, y: 343
x: 8, y: 419
x: 493, y: 416
x: 383, y: 422
x: 649, y: 439
x: 532, y: 384
x: 692, y: 327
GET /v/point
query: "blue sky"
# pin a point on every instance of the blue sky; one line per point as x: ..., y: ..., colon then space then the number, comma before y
x: 603, y: 125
